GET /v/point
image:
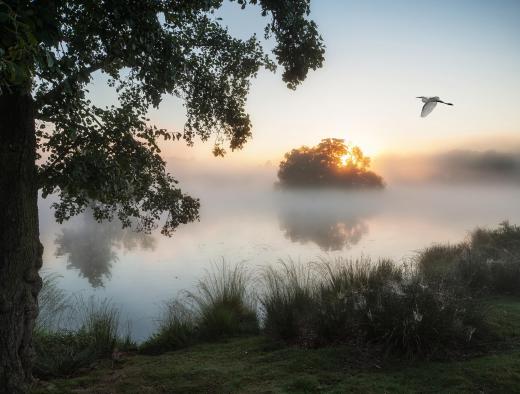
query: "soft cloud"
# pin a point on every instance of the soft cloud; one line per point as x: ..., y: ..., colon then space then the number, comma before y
x: 454, y: 166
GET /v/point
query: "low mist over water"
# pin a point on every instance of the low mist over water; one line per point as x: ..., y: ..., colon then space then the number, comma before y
x: 244, y: 219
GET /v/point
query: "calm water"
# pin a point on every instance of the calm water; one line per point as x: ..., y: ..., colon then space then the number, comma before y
x: 258, y: 225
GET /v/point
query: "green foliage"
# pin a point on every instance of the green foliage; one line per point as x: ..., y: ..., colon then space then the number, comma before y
x: 331, y: 163
x: 449, y: 265
x: 110, y: 155
x: 177, y: 329
x: 342, y: 301
x: 224, y: 303
x: 72, y: 332
x: 252, y: 365
x: 503, y: 316
x: 62, y: 353
x: 298, y: 46
x: 65, y: 352
x: 418, y: 319
x: 288, y: 300
x: 25, y: 33
x: 437, y: 262
x: 54, y: 304
x: 349, y: 293
x: 100, y: 322
x: 488, y: 263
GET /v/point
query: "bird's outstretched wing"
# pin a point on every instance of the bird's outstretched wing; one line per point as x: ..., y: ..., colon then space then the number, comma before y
x: 428, y: 108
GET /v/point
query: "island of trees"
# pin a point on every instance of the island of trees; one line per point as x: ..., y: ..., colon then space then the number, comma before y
x: 331, y: 163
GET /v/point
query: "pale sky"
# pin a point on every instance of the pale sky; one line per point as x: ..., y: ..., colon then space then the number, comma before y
x: 380, y: 55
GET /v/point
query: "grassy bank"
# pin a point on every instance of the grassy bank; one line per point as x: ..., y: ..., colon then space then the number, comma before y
x: 72, y: 333
x: 342, y: 325
x: 256, y: 364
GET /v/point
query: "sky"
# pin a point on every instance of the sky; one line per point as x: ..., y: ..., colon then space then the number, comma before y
x: 379, y: 56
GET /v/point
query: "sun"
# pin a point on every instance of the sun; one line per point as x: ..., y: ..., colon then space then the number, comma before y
x: 343, y: 160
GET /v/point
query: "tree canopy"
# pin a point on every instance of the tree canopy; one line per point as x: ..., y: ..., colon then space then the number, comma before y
x: 331, y: 163
x: 50, y: 49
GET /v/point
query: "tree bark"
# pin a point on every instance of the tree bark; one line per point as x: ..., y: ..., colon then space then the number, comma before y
x: 20, y: 248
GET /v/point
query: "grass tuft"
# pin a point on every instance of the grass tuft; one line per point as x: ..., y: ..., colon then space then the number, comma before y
x: 488, y: 264
x: 224, y: 303
x: 287, y: 301
x: 365, y: 302
x: 54, y: 304
x: 62, y: 349
x: 177, y: 328
x: 99, y: 322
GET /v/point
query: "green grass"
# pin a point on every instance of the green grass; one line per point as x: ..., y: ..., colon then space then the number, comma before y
x: 288, y: 301
x: 257, y: 365
x: 63, y: 350
x: 244, y: 365
x: 225, y: 303
x: 177, y: 328
x: 503, y: 316
x: 455, y: 303
x: 222, y: 305
x: 53, y: 302
x: 488, y: 263
x: 366, y: 301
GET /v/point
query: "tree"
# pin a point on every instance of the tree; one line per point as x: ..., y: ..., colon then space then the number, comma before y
x: 109, y: 158
x: 331, y: 163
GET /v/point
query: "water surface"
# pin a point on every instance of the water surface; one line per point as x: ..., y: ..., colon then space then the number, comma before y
x: 258, y: 225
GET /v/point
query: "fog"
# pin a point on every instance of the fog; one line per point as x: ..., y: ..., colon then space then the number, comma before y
x: 91, y: 248
x: 245, y: 219
x: 453, y: 167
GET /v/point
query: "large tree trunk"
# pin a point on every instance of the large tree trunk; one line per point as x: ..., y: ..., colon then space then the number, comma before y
x: 20, y: 248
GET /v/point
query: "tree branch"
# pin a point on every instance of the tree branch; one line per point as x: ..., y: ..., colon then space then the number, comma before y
x: 52, y: 94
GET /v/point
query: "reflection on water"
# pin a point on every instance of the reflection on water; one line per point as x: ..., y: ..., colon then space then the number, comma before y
x: 91, y: 247
x: 333, y: 221
x: 259, y: 227
x: 328, y: 235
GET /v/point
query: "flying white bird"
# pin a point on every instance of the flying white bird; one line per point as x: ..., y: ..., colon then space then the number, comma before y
x: 429, y: 104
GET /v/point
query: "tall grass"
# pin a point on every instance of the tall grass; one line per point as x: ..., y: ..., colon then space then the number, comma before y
x: 59, y: 351
x: 350, y: 289
x: 177, y: 328
x: 287, y: 301
x: 363, y: 301
x: 498, y: 251
x: 72, y: 332
x: 488, y: 263
x: 439, y: 262
x: 99, y: 321
x: 224, y: 302
x: 54, y: 304
x: 222, y: 305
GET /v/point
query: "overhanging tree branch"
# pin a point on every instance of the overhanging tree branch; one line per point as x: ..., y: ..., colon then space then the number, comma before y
x: 82, y: 76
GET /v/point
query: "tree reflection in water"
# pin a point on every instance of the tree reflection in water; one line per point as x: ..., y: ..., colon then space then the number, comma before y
x: 332, y: 220
x: 91, y: 247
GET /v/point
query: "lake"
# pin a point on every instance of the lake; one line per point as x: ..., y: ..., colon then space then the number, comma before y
x: 255, y: 224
